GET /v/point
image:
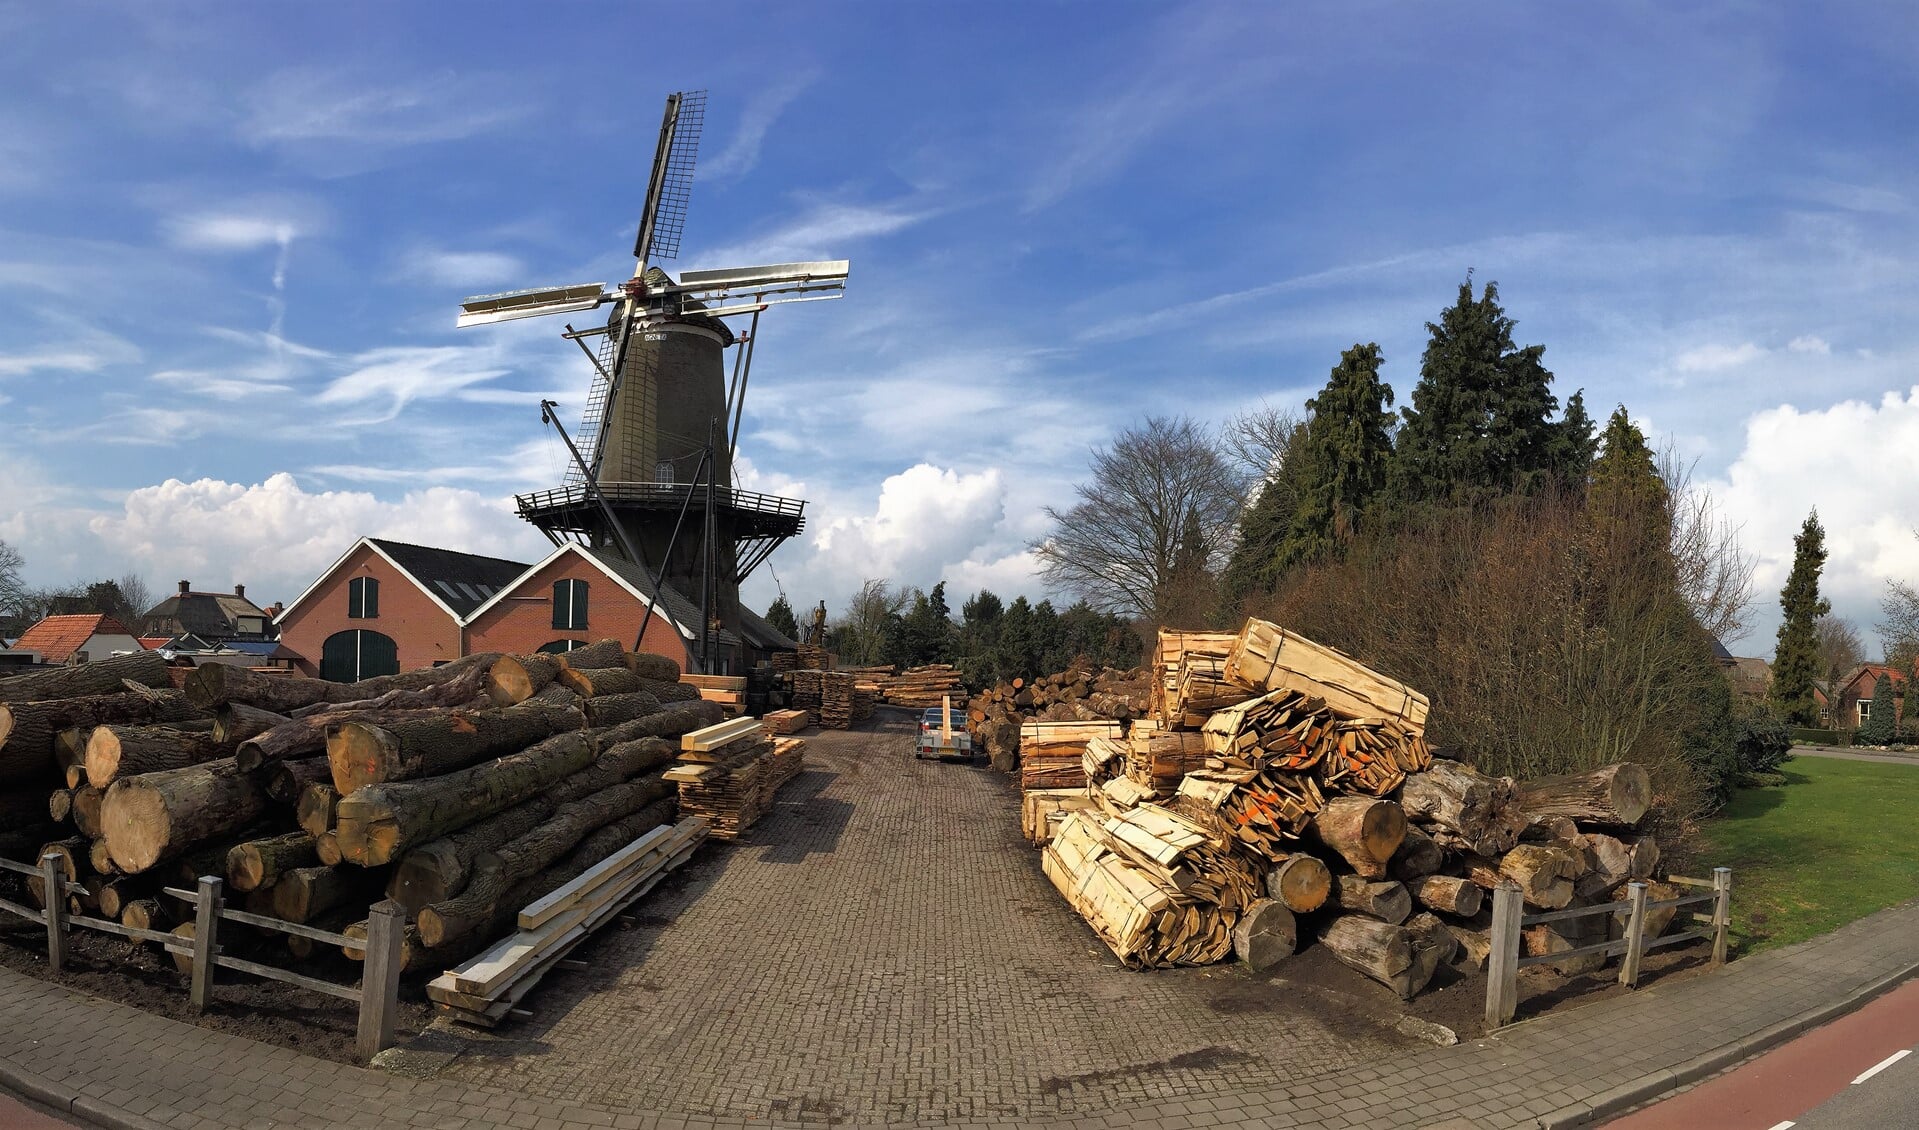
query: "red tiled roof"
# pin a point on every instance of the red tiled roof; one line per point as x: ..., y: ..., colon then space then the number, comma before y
x: 154, y: 643
x: 56, y: 638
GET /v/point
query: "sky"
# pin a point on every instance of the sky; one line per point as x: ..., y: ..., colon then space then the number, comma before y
x: 233, y: 239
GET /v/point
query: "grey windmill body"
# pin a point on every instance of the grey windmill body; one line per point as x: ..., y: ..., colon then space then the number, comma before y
x: 652, y: 477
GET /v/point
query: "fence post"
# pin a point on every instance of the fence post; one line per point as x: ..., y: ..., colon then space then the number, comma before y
x: 1721, y: 912
x: 380, y: 977
x: 53, y: 881
x: 206, y: 927
x: 1635, y: 935
x: 1502, y: 965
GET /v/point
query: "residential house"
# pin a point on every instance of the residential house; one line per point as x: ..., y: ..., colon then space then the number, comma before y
x: 1854, y: 704
x: 214, y: 617
x: 79, y: 638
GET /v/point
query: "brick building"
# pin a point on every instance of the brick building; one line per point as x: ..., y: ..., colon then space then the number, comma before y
x: 1853, y: 704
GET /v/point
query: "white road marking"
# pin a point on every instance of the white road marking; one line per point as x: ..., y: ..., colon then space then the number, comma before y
x: 1788, y: 1124
x: 1876, y: 1068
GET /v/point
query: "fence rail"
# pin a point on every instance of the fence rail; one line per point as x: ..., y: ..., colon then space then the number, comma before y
x: 377, y: 995
x: 1510, y: 919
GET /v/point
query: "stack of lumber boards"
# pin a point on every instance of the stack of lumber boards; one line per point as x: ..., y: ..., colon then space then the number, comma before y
x: 1292, y: 763
x: 455, y: 790
x: 812, y: 657
x: 806, y: 691
x: 920, y: 688
x: 865, y: 697
x: 483, y: 990
x: 730, y: 773
x: 1052, y: 754
x: 727, y: 690
x: 786, y: 721
x: 836, y: 700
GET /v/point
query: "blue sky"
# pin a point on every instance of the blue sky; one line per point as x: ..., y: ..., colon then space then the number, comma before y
x: 232, y: 239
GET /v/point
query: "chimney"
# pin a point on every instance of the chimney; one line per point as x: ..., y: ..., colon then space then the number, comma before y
x: 240, y: 591
x: 185, y: 587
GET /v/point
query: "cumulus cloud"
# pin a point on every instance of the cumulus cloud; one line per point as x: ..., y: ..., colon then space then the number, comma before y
x: 1850, y: 461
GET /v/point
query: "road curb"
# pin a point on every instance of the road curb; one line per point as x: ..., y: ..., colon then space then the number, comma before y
x: 1625, y: 1096
x: 46, y: 1092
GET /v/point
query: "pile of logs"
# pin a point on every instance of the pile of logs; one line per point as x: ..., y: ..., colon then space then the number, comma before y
x: 921, y: 688
x: 1282, y: 792
x: 1078, y: 694
x: 464, y: 792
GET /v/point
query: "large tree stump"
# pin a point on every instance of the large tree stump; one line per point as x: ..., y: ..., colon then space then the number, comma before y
x: 116, y: 751
x: 1544, y: 873
x: 1447, y: 893
x: 1617, y: 795
x: 260, y: 863
x: 1393, y: 956
x: 27, y: 729
x: 105, y: 676
x: 1418, y: 854
x: 438, y: 742
x: 1386, y: 901
x: 377, y: 824
x: 1300, y: 882
x: 1265, y: 935
x: 1464, y: 808
x: 159, y: 815
x: 1365, y: 832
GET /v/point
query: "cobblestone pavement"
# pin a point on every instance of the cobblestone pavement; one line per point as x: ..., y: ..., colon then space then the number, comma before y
x: 883, y: 948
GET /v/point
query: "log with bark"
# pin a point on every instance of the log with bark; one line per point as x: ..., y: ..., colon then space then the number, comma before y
x: 235, y: 722
x: 650, y: 666
x: 1364, y: 831
x: 326, y: 845
x: 118, y: 892
x: 377, y: 824
x: 1428, y: 930
x: 304, y: 893
x: 1395, y: 957
x: 598, y: 654
x: 286, y: 780
x: 27, y: 729
x: 438, y: 742
x: 306, y: 737
x: 215, y: 684
x: 1451, y: 894
x: 146, y: 914
x: 1544, y: 873
x: 1300, y: 882
x: 116, y: 751
x: 101, y: 858
x: 1265, y: 935
x: 1384, y: 900
x: 593, y: 682
x: 1419, y: 854
x: 260, y: 863
x: 159, y: 815
x: 1475, y: 946
x: 1548, y: 938
x: 515, y: 678
x: 105, y: 676
x: 1464, y: 809
x: 466, y: 689
x: 314, y: 809
x: 613, y: 709
x: 1656, y: 921
x: 669, y: 722
x: 1616, y: 795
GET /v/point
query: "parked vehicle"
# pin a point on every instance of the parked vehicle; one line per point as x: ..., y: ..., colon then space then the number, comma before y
x: 949, y: 743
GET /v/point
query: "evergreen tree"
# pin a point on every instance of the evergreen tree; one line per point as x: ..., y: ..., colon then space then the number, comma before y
x: 1574, y: 443
x: 1265, y: 525
x: 1882, y: 724
x: 1346, y: 453
x: 1795, y: 660
x: 1480, y: 420
x: 780, y: 615
x: 1625, y: 477
x: 926, y: 631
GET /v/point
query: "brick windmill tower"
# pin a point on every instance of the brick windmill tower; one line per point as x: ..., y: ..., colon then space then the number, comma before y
x: 652, y: 469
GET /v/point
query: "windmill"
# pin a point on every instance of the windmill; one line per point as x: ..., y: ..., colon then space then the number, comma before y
x: 655, y: 446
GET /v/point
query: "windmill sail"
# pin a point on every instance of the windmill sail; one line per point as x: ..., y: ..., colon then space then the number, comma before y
x: 670, y: 186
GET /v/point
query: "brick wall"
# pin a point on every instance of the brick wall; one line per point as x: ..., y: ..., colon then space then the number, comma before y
x: 421, y: 630
x: 522, y: 621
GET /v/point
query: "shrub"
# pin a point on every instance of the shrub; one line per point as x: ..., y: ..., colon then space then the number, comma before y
x: 1804, y: 736
x: 1880, y: 725
x: 1764, y: 742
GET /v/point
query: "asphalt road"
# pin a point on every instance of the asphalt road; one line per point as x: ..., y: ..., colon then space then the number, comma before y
x: 1838, y: 754
x: 19, y: 1114
x: 1859, y: 1070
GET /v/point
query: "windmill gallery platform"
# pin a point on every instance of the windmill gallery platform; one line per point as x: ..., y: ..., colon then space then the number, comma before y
x: 882, y: 949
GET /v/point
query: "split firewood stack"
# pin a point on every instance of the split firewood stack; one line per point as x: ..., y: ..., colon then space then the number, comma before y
x: 1077, y: 694
x: 463, y: 792
x: 921, y: 688
x: 1282, y: 793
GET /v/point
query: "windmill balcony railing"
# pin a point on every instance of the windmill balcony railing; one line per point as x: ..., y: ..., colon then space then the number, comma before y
x: 661, y: 494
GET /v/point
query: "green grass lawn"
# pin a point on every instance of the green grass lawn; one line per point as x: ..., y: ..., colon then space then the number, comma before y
x: 1834, y: 844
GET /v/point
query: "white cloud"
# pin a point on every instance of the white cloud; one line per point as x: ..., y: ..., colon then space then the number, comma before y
x: 743, y: 152
x: 309, y: 104
x: 218, y: 387
x: 823, y: 232
x: 56, y: 360
x: 1807, y: 343
x: 402, y: 374
x: 464, y: 268
x: 1851, y: 461
x: 1712, y: 358
x: 231, y: 231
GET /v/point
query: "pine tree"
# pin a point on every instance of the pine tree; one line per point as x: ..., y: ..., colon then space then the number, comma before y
x: 780, y: 615
x: 1574, y: 443
x: 1625, y: 476
x: 1345, y: 457
x: 1480, y: 420
x: 1795, y: 660
x: 1882, y: 724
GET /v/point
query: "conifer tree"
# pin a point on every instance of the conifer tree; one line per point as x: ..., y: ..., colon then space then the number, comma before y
x: 1574, y: 443
x: 1346, y: 454
x: 1265, y: 525
x: 1882, y: 724
x: 1625, y: 476
x: 1480, y: 419
x: 1795, y: 660
x: 780, y: 615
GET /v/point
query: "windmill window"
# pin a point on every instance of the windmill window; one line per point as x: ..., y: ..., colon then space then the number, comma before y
x: 663, y: 471
x: 362, y: 598
x: 569, y: 605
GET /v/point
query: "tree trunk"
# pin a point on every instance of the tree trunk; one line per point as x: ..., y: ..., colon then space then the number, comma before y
x: 286, y: 780
x: 183, y: 960
x: 669, y: 722
x: 671, y: 692
x: 1388, y: 954
x: 1464, y: 808
x: 1645, y: 857
x: 1386, y: 901
x: 516, y: 678
x: 86, y: 810
x: 1475, y: 946
x: 100, y: 857
x: 1265, y: 935
x: 531, y: 853
x: 147, y: 668
x: 315, y: 809
x: 649, y: 666
x: 1608, y: 864
x: 1656, y: 921
x: 1544, y: 874
x: 27, y: 729
x: 326, y: 845
x: 235, y: 722
x: 72, y: 851
x: 305, y: 892
x: 1418, y: 854
x: 380, y: 822
x: 145, y: 914
x: 434, y: 744
x: 439, y: 870
x: 1455, y: 896
x: 466, y: 690
x: 159, y: 815
x: 613, y: 709
x: 1300, y: 882
x: 597, y: 655
x: 1428, y: 930
x: 589, y: 682
x: 116, y: 751
x: 260, y: 863
x: 1617, y: 794
x: 1365, y: 832
x: 213, y: 685
x: 306, y: 737
x: 1557, y: 937
x: 336, y: 921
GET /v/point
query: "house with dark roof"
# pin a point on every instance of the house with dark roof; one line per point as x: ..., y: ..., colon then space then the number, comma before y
x: 77, y: 639
x: 212, y: 616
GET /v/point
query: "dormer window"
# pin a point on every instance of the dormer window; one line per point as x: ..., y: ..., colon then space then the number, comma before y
x: 362, y: 598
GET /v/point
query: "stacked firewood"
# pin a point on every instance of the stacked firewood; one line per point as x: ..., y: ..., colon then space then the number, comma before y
x: 1271, y: 756
x: 1078, y: 694
x: 921, y: 688
x: 463, y: 792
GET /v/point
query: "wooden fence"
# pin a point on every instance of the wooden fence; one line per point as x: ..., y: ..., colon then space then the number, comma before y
x: 377, y: 994
x: 1509, y: 918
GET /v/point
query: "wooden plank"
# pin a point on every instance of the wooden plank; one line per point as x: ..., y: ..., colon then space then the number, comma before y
x: 272, y: 973
x: 719, y: 734
x: 715, y: 682
x: 537, y: 913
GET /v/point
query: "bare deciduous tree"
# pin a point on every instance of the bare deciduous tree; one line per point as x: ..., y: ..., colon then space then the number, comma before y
x: 13, y: 591
x: 859, y: 638
x: 1840, y: 648
x: 1127, y: 545
x: 1714, y: 570
x: 138, y: 596
x: 1898, y: 630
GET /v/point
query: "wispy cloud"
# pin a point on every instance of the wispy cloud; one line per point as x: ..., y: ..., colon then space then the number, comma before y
x: 313, y: 104
x: 743, y: 152
x: 462, y: 268
x: 401, y: 375
x: 243, y: 225
x: 822, y: 232
x: 1807, y: 343
x: 1713, y: 358
x: 51, y: 360
x: 216, y: 386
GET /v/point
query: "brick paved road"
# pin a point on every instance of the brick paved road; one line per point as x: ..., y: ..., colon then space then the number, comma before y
x: 883, y: 947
